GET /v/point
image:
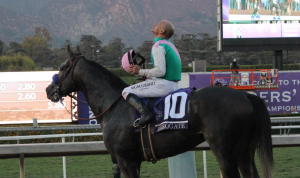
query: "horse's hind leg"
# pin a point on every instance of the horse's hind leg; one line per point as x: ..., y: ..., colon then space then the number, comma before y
x: 116, y: 168
x: 246, y: 163
x: 229, y: 168
x: 227, y: 160
x: 129, y: 168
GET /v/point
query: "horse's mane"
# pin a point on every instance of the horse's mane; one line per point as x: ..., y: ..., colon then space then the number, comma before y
x: 113, y: 79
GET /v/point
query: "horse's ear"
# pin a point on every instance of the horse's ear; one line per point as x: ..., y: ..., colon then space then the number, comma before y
x: 78, y: 50
x: 71, y: 54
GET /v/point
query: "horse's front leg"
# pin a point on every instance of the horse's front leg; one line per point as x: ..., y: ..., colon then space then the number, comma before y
x: 129, y: 168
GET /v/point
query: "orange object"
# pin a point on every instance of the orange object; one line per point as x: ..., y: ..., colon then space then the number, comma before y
x: 245, y: 80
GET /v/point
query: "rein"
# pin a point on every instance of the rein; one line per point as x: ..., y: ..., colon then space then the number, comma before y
x: 76, y: 98
x: 105, y: 111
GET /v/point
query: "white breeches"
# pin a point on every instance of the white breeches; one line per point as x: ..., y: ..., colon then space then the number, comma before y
x: 151, y: 88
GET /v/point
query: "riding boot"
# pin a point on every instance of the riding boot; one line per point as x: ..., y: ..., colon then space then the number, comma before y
x: 138, y: 104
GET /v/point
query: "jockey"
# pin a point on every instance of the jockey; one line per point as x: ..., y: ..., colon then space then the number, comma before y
x: 255, y: 15
x: 162, y: 79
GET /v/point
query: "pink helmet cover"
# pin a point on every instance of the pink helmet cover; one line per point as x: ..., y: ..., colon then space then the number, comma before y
x: 125, y: 61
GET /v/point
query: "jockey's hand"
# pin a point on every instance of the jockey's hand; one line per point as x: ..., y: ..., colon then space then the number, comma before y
x: 134, y: 69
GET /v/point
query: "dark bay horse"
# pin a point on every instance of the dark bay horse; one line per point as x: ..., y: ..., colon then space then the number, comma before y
x: 234, y: 123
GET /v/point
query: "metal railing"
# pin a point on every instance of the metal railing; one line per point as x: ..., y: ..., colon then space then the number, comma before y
x: 87, y: 148
x: 48, y: 136
x: 49, y: 149
x: 49, y: 128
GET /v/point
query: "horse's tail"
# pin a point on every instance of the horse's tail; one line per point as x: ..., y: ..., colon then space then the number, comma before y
x: 263, y: 139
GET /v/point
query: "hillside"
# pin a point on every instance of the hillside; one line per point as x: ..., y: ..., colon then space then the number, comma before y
x: 14, y: 27
x: 130, y: 20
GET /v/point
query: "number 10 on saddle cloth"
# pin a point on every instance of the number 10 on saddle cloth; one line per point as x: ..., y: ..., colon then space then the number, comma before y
x: 170, y: 112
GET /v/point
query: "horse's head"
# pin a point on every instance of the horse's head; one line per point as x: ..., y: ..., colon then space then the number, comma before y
x: 62, y: 83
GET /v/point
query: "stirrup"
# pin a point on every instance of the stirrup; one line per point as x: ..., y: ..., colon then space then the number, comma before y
x: 135, y: 122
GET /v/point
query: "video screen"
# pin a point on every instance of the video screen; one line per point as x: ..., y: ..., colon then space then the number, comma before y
x: 261, y: 18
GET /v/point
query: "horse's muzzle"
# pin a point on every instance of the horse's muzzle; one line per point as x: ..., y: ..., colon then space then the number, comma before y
x: 55, y: 97
x: 52, y: 94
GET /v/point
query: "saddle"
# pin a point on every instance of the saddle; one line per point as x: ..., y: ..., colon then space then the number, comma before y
x: 170, y: 113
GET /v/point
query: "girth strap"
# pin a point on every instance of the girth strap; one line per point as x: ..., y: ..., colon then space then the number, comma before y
x: 147, y: 144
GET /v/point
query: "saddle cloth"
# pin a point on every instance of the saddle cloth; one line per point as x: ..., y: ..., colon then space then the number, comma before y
x: 170, y: 112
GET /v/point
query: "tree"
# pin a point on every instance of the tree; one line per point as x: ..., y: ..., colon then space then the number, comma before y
x: 116, y: 47
x: 37, y: 46
x: 61, y: 54
x: 44, y: 57
x: 15, y: 48
x: 33, y: 44
x: 90, y: 46
x: 145, y: 51
x: 1, y: 47
x: 128, y: 48
x: 41, y: 40
x: 112, y: 53
x: 66, y: 44
x: 43, y: 33
x: 16, y: 63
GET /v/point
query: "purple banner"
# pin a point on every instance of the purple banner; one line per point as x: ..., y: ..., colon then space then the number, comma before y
x: 285, y: 98
x: 84, y: 111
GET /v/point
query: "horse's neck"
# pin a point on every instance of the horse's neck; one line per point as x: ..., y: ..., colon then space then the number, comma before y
x: 99, y: 94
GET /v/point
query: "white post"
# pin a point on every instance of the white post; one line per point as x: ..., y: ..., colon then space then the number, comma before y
x: 204, y: 164
x: 63, y: 140
x: 35, y: 123
x: 183, y: 165
x: 22, y: 166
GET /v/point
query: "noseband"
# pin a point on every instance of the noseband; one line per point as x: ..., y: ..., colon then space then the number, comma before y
x: 59, y: 82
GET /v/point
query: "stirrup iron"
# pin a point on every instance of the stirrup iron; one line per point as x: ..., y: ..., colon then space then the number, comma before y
x: 136, y: 121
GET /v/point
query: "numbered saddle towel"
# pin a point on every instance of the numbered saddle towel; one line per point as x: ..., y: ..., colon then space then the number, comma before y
x: 170, y: 112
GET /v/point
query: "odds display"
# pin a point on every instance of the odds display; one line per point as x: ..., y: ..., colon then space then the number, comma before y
x: 23, y: 97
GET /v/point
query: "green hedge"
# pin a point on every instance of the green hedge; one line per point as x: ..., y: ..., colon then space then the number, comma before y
x: 16, y: 63
x: 187, y: 69
x: 263, y: 66
x: 122, y: 73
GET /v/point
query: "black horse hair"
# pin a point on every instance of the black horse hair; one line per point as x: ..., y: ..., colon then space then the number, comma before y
x: 113, y: 78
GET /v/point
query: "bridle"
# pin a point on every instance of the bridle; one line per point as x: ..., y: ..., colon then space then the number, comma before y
x: 59, y: 83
